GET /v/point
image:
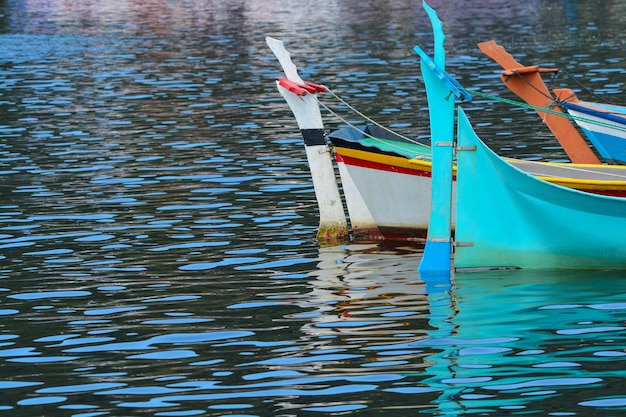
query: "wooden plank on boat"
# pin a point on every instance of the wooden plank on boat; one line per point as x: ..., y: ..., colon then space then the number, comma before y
x: 529, y: 86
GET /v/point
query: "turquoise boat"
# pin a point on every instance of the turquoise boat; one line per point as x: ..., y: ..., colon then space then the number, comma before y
x: 506, y: 218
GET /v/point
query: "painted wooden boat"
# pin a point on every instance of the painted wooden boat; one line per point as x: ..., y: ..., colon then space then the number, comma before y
x: 527, y: 83
x: 381, y: 165
x: 505, y: 217
x: 386, y: 180
x: 604, y: 125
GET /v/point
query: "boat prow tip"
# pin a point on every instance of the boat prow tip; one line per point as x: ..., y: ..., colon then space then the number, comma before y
x: 284, y: 57
x: 273, y: 42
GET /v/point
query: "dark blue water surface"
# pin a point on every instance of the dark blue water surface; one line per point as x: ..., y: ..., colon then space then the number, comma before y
x: 158, y: 221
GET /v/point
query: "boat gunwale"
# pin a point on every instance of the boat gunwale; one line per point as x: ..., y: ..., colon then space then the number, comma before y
x: 415, y: 164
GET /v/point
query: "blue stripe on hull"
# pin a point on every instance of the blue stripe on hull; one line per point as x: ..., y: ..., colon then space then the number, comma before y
x: 606, y: 131
x: 610, y: 147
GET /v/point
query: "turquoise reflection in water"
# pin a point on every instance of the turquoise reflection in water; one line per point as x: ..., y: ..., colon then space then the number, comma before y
x: 527, y: 340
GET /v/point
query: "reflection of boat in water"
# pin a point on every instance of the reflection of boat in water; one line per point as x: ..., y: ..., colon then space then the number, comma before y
x: 486, y: 342
x: 362, y: 290
x: 518, y: 339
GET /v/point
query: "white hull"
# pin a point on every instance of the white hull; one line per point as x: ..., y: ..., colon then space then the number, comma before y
x: 398, y: 203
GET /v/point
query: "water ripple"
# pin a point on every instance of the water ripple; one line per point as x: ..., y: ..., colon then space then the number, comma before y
x: 174, y: 339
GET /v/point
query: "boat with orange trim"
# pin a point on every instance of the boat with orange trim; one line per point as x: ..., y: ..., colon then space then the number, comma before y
x: 603, y: 124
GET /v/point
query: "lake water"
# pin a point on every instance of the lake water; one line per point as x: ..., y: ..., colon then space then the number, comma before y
x: 158, y: 221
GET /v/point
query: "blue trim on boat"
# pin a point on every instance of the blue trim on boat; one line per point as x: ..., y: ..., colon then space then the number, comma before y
x: 608, y: 107
x: 596, y: 113
x: 612, y: 148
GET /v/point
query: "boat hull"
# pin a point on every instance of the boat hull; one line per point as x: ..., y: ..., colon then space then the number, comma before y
x: 398, y: 197
x: 510, y: 219
x: 396, y: 187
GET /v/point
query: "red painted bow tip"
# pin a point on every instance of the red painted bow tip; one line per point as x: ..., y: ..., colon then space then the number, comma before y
x: 301, y: 89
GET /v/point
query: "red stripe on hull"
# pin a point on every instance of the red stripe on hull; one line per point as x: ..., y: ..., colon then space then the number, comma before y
x: 612, y: 193
x: 348, y: 160
x: 383, y: 167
